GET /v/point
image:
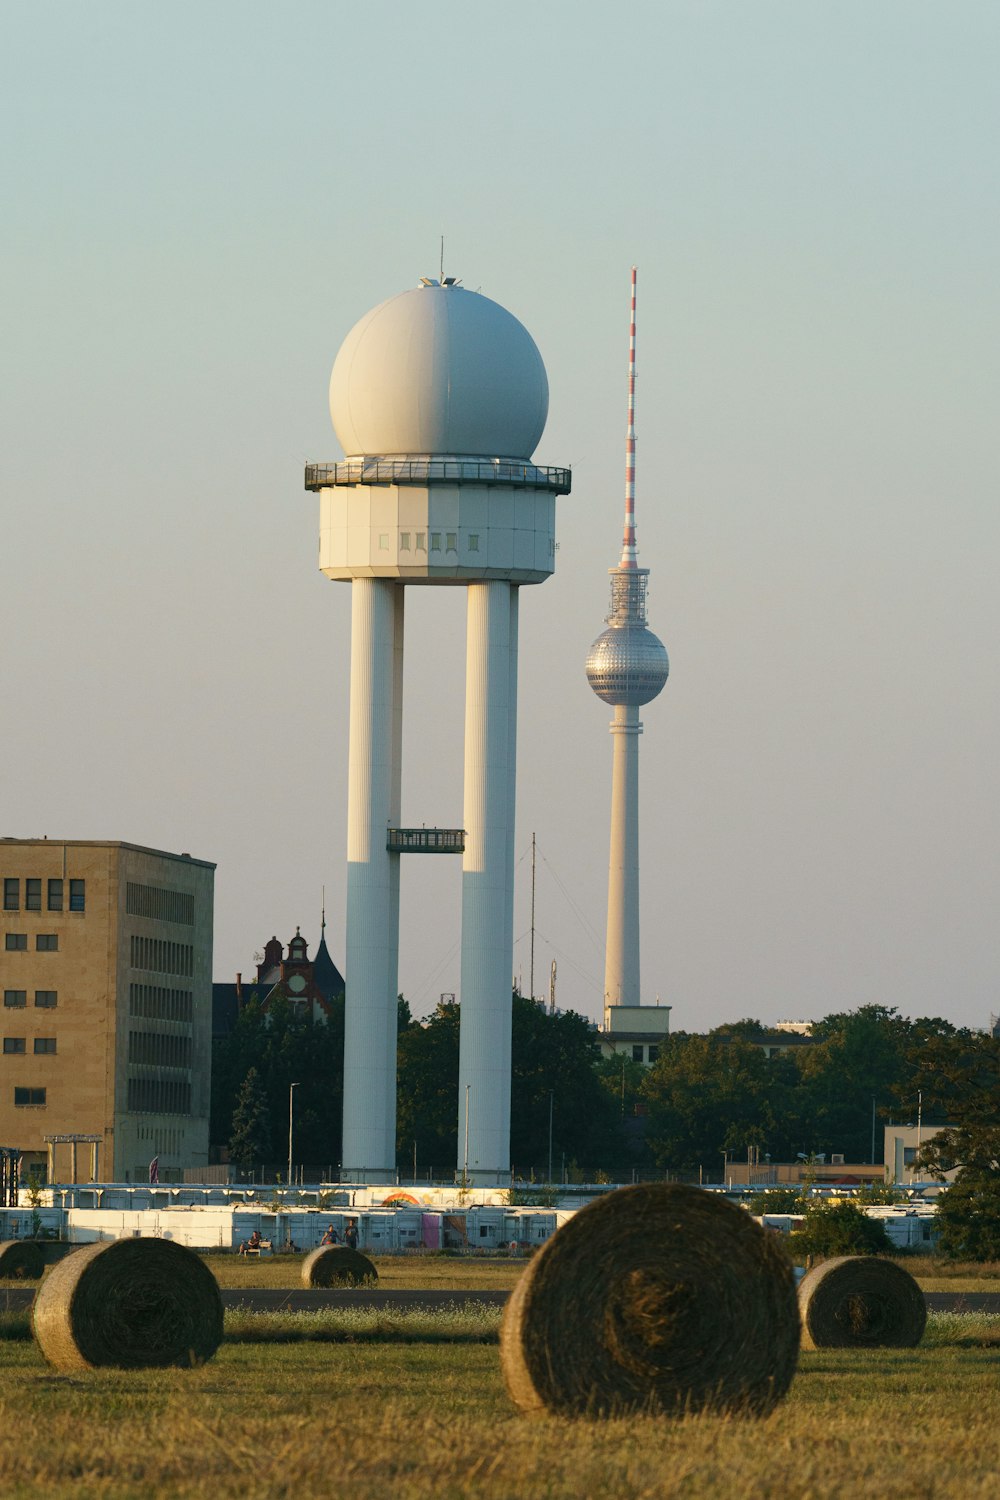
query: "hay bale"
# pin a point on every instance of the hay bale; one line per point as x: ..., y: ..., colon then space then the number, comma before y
x: 131, y: 1304
x: 21, y: 1260
x: 861, y: 1302
x: 657, y: 1298
x: 337, y: 1265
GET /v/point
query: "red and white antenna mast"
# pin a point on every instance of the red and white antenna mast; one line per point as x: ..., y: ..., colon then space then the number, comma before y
x: 629, y: 554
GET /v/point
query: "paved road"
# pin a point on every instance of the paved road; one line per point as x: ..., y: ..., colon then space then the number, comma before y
x: 304, y: 1299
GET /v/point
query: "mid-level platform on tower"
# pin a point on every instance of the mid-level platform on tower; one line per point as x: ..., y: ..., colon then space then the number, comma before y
x: 425, y: 840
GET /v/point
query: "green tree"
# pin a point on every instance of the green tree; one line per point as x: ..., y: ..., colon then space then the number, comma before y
x: 427, y: 1090
x: 285, y: 1047
x: 859, y: 1057
x: 778, y: 1200
x: 840, y: 1229
x: 250, y: 1142
x: 553, y: 1056
x: 959, y: 1072
x: 715, y: 1093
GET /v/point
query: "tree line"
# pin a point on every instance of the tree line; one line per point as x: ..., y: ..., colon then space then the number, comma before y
x: 707, y: 1095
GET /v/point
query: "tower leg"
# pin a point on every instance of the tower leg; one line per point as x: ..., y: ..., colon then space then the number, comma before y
x: 369, y: 1145
x: 487, y: 902
x: 621, y: 964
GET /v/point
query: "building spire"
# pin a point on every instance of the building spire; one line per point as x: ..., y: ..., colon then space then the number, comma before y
x: 629, y: 553
x: 322, y: 925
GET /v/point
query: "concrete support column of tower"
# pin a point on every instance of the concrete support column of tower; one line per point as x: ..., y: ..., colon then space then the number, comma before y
x: 511, y: 806
x: 487, y: 902
x: 369, y: 1147
x: 621, y: 964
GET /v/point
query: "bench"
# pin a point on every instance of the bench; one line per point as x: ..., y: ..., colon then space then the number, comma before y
x: 256, y: 1249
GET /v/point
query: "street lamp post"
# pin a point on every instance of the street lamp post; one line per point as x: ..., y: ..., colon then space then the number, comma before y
x: 551, y: 1107
x: 291, y: 1097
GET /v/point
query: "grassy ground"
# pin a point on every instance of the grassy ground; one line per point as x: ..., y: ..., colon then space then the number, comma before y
x: 421, y: 1420
x: 472, y: 1273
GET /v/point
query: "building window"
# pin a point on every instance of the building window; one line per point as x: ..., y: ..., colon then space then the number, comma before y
x: 404, y: 541
x: 13, y: 999
x: 44, y: 1044
x: 29, y: 1098
x: 637, y: 1053
x: 654, y: 1053
x: 47, y: 942
x: 421, y: 547
x: 474, y: 542
x: 32, y: 895
x: 451, y: 541
x: 13, y: 1045
x: 383, y: 541
x: 46, y: 999
x: 55, y: 895
x: 435, y: 541
x: 160, y: 904
x: 78, y: 895
x: 16, y: 942
x: 11, y: 895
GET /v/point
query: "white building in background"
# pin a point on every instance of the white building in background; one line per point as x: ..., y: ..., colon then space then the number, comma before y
x: 439, y: 398
x: 627, y: 667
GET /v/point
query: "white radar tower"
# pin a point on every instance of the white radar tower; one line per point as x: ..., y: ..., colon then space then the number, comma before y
x: 438, y: 397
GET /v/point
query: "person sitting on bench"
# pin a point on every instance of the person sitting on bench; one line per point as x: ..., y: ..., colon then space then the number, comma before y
x: 253, y: 1243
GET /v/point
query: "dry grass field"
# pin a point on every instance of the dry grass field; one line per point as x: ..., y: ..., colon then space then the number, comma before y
x: 422, y: 1421
x: 412, y: 1406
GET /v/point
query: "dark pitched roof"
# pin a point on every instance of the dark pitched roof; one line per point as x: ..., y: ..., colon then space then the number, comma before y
x: 327, y: 977
x: 225, y: 1009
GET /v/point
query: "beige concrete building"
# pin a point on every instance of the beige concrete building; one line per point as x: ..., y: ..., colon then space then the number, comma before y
x: 106, y: 968
x: 635, y: 1031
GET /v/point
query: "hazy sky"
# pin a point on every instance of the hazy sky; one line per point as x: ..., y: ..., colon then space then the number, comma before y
x: 199, y: 200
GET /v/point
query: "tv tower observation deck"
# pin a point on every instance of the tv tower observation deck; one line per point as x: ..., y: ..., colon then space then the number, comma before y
x: 627, y: 666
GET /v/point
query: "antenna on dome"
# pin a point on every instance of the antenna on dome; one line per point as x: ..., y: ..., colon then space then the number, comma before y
x: 442, y: 259
x: 628, y: 539
x: 322, y: 925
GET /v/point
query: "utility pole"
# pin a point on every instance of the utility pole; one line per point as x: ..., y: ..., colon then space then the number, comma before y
x: 291, y: 1096
x: 551, y: 1110
x: 531, y: 967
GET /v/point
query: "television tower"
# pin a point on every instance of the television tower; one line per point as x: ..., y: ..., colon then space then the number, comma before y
x: 626, y: 667
x: 438, y: 397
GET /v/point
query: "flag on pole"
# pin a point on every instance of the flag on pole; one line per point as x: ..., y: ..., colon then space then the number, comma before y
x: 154, y: 1169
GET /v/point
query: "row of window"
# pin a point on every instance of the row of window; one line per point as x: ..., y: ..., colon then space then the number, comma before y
x: 420, y: 541
x: 164, y: 1096
x: 45, y: 942
x: 652, y: 1053
x: 44, y: 999
x: 159, y: 1049
x: 33, y: 894
x: 153, y: 1003
x: 159, y: 904
x: 16, y: 1046
x: 161, y: 956
x: 29, y: 1098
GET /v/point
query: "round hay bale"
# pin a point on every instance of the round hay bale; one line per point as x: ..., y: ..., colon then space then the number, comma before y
x: 23, y: 1260
x: 130, y: 1304
x: 861, y: 1302
x: 337, y: 1265
x: 657, y: 1298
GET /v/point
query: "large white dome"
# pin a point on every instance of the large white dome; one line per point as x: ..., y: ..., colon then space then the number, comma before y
x: 439, y: 370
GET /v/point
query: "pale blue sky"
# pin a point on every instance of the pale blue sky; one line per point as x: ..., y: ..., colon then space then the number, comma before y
x: 199, y: 200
